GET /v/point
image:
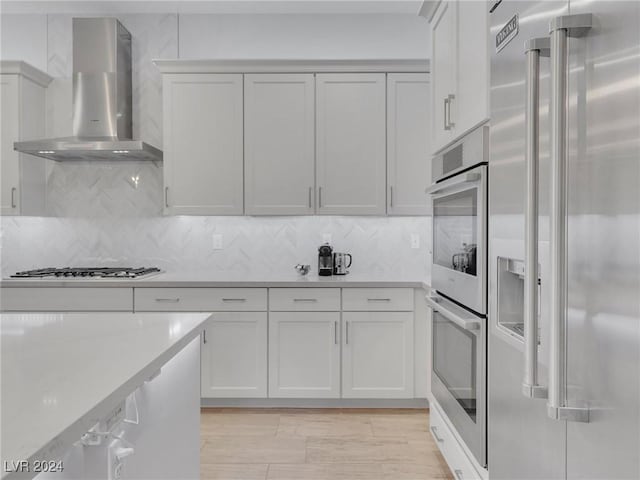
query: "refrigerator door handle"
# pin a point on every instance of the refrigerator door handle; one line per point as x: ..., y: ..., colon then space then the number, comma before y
x: 534, y: 49
x: 560, y: 29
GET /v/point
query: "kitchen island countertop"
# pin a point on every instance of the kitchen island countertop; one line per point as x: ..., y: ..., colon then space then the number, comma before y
x: 62, y: 373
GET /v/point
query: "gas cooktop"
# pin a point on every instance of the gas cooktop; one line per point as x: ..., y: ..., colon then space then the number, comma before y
x: 97, y: 272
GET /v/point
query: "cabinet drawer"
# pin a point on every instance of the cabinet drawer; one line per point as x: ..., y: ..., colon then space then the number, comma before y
x: 377, y: 299
x: 200, y: 299
x: 304, y: 299
x: 65, y: 299
x: 437, y: 427
x: 451, y: 450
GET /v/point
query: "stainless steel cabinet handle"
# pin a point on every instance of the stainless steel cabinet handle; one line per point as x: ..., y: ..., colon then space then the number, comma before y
x: 167, y: 300
x: 459, y: 474
x: 335, y: 332
x: 391, y: 196
x: 166, y: 197
x: 450, y: 124
x: 313, y: 300
x: 439, y: 439
x: 444, y: 114
x: 378, y: 299
x: 319, y: 197
x: 534, y: 49
x: 204, y: 336
x: 310, y: 195
x: 346, y: 326
x: 13, y: 197
x: 234, y: 300
x: 560, y: 29
x: 469, y: 325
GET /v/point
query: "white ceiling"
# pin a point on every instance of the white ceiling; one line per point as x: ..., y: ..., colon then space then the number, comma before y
x: 214, y: 6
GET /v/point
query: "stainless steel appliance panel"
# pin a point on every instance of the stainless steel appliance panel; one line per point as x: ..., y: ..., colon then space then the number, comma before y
x: 522, y: 441
x: 603, y: 341
x: 459, y: 238
x: 458, y: 371
x: 470, y: 150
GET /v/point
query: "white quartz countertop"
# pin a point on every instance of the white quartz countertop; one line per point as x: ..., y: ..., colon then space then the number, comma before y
x: 61, y: 373
x: 199, y: 279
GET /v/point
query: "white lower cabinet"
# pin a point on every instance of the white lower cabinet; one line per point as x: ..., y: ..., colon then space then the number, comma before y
x: 304, y: 355
x: 234, y: 356
x: 377, y: 355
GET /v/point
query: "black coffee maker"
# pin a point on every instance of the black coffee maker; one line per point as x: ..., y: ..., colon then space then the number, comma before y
x: 325, y: 260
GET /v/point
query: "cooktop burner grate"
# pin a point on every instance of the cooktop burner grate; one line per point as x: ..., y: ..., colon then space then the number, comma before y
x: 99, y: 272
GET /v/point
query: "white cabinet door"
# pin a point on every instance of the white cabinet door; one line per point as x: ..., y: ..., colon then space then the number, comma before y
x: 10, y: 132
x: 234, y: 356
x: 279, y: 140
x: 22, y: 117
x: 377, y: 355
x: 203, y: 147
x: 350, y: 143
x: 408, y: 143
x: 443, y: 63
x: 304, y: 355
x: 472, y: 98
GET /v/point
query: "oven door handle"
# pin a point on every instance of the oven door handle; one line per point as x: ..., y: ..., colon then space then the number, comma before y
x: 469, y: 325
x: 470, y: 177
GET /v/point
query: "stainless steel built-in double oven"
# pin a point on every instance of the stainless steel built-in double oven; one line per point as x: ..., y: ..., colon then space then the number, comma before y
x: 459, y: 280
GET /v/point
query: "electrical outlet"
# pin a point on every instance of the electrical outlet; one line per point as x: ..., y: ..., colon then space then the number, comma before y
x: 217, y: 241
x: 415, y: 240
x: 326, y: 238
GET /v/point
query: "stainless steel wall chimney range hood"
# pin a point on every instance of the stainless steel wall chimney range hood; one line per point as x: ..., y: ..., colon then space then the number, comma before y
x: 102, y: 117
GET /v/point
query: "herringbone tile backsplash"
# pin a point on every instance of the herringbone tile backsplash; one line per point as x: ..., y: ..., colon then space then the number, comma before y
x: 111, y: 213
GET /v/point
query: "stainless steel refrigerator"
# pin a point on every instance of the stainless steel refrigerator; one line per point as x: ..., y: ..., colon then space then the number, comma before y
x: 564, y: 240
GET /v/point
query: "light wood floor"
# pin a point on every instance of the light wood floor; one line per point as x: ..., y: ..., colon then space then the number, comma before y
x: 317, y: 444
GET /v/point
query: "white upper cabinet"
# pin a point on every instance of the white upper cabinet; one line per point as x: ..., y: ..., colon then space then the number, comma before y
x: 408, y: 145
x: 473, y: 65
x: 271, y: 142
x: 350, y: 143
x: 460, y: 69
x: 203, y: 144
x: 279, y: 144
x: 22, y: 117
x: 443, y: 76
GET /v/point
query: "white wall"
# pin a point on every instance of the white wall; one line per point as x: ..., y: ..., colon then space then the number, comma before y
x: 303, y: 36
x: 24, y: 37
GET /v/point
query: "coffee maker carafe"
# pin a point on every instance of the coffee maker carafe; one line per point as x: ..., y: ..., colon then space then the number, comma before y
x: 325, y: 260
